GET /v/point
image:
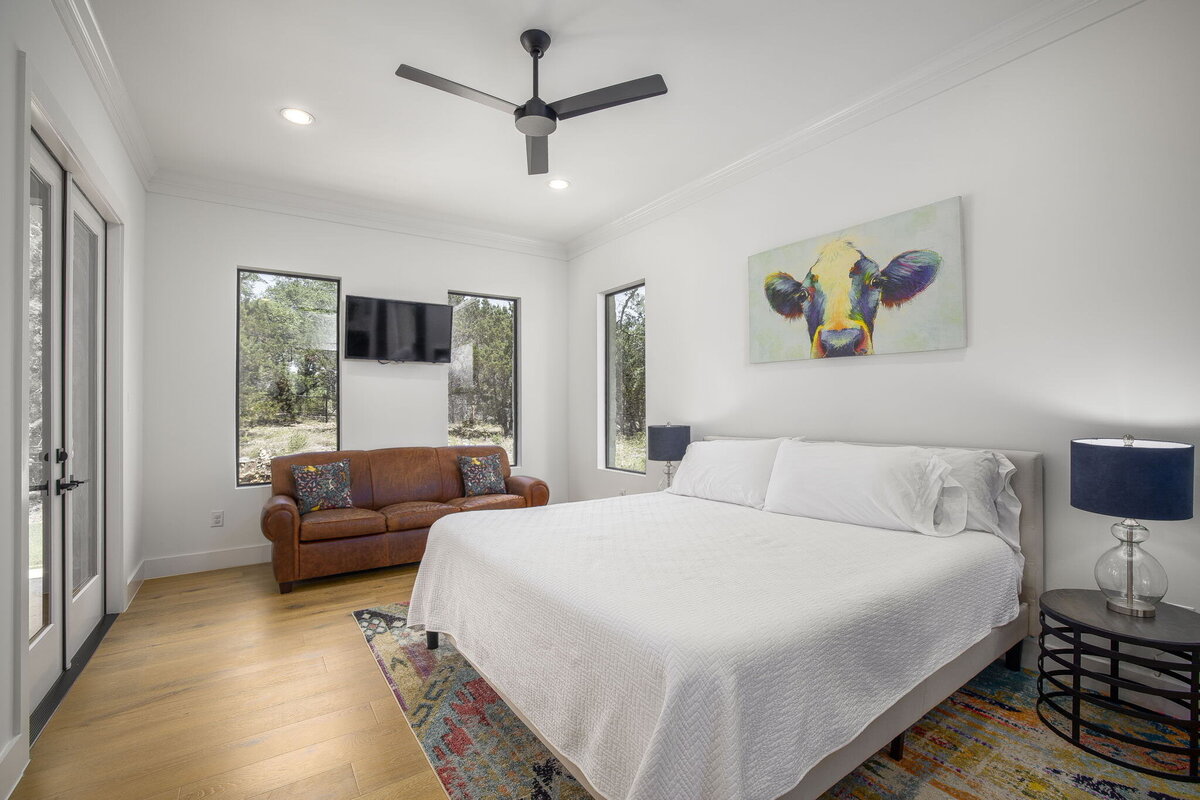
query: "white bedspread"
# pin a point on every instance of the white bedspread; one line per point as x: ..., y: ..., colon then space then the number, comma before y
x: 682, y: 649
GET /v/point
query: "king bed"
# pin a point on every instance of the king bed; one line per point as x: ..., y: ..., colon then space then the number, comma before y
x: 666, y: 647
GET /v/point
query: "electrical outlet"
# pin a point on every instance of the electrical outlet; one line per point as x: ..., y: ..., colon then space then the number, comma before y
x: 216, y: 519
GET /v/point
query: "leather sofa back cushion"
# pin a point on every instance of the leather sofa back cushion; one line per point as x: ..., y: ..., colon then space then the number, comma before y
x: 361, y: 491
x: 452, y: 482
x: 404, y: 475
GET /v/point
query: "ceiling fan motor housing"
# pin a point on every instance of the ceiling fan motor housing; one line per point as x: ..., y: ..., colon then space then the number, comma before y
x: 535, y: 118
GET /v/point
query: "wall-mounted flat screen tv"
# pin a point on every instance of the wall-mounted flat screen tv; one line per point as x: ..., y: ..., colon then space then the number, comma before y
x: 397, y: 330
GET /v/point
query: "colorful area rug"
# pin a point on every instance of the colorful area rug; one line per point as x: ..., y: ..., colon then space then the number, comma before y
x: 983, y: 743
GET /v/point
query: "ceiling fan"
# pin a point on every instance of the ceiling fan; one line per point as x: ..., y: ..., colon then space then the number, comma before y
x: 537, y: 119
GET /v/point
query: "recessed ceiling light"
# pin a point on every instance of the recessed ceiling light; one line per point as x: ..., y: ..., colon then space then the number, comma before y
x: 297, y: 115
x: 558, y: 183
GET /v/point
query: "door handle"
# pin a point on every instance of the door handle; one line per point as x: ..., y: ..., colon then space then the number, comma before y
x: 68, y: 485
x: 44, y: 486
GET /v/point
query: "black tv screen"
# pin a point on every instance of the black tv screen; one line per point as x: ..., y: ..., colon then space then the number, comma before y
x: 397, y: 330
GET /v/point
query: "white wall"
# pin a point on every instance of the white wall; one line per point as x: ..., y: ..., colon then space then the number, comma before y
x: 193, y: 251
x: 57, y: 76
x: 1079, y: 166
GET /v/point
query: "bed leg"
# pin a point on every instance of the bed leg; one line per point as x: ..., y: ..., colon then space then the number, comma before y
x: 896, y: 748
x: 1012, y: 658
x: 431, y: 640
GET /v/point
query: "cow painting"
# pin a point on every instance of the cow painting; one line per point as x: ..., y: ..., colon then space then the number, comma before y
x: 890, y: 285
x: 840, y: 296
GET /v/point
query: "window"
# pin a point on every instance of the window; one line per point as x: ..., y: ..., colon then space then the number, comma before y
x: 625, y: 379
x: 287, y: 371
x: 483, y: 372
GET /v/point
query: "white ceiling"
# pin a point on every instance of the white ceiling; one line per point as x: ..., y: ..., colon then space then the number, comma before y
x: 207, y: 79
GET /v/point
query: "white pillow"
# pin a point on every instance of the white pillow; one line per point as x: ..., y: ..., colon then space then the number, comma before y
x: 898, y: 488
x: 979, y: 473
x: 992, y: 505
x: 729, y: 470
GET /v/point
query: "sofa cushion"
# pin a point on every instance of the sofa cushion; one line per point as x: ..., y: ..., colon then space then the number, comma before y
x: 487, y: 502
x: 282, y: 481
x: 322, y: 486
x: 337, y: 523
x: 415, y: 514
x: 404, y: 474
x: 481, y: 475
x: 452, y: 482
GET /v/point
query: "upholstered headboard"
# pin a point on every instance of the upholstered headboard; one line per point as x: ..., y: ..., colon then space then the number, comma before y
x: 1027, y: 484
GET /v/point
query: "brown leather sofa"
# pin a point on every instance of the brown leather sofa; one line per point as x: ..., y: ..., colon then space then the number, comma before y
x: 398, y: 493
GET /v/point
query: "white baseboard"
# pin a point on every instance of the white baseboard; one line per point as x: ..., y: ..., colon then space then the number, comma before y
x: 134, y: 583
x: 186, y: 563
x: 14, y: 757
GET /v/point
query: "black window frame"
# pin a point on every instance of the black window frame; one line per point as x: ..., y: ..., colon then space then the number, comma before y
x: 610, y: 440
x: 237, y: 363
x: 516, y: 301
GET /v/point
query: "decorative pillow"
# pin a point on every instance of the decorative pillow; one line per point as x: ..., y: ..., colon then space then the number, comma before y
x: 481, y: 475
x: 322, y: 486
x: 727, y: 470
x: 899, y: 488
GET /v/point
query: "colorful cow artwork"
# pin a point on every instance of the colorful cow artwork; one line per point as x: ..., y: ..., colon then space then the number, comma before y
x: 821, y: 298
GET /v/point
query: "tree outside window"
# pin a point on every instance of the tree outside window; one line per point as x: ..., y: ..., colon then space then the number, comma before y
x: 625, y: 368
x: 287, y: 369
x: 483, y: 372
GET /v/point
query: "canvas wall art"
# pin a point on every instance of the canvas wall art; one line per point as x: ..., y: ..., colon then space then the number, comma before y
x: 893, y: 285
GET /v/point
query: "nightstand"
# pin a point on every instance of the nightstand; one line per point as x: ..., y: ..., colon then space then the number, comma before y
x: 1090, y: 684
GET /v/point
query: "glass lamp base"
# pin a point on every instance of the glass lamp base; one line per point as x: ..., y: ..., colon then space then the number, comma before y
x: 1134, y: 608
x: 1132, y: 579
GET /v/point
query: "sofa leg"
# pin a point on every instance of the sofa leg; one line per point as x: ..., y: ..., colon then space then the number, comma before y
x: 431, y: 640
x: 285, y: 587
x: 1012, y: 658
x: 896, y: 748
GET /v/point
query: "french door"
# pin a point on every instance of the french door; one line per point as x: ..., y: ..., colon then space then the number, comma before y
x: 66, y: 420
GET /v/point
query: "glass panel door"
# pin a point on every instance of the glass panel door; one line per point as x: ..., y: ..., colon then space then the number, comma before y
x: 65, y: 419
x: 44, y: 520
x: 83, y: 355
x: 39, y: 397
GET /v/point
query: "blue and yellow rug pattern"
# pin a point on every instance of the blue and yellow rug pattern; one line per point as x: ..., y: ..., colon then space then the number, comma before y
x: 985, y: 742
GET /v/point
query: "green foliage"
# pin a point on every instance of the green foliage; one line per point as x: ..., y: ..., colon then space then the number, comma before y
x: 287, y: 366
x: 482, y: 373
x: 297, y: 441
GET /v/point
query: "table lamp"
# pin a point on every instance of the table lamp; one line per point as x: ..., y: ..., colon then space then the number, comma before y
x: 1132, y: 479
x: 667, y: 443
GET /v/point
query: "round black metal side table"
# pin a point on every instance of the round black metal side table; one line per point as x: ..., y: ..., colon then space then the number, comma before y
x: 1075, y: 691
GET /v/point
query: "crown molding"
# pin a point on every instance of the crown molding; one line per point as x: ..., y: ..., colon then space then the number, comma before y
x: 1018, y: 36
x: 347, y: 209
x: 84, y: 32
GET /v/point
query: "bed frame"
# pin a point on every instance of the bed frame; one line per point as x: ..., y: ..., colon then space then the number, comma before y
x: 887, y: 730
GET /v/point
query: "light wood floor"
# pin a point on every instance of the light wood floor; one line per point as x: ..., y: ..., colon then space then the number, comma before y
x: 213, y: 685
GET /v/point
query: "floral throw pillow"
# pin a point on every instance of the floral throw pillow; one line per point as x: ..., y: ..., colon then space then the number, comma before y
x: 321, y: 486
x: 481, y: 475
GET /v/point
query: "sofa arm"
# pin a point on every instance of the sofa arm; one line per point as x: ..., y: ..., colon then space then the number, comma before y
x: 534, y: 490
x: 280, y: 522
x: 280, y: 519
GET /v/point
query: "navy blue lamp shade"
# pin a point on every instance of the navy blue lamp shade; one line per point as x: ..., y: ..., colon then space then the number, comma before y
x: 1147, y: 480
x: 667, y: 442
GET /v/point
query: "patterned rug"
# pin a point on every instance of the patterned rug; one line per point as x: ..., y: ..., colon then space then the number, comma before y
x: 983, y: 743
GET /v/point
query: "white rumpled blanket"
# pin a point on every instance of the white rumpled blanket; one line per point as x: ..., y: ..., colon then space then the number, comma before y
x: 676, y: 648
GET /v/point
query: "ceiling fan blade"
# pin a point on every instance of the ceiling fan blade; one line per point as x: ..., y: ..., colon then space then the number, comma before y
x: 609, y: 96
x: 537, y: 155
x: 429, y: 79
